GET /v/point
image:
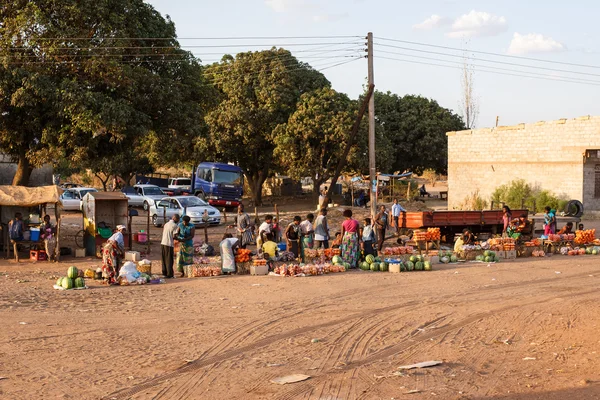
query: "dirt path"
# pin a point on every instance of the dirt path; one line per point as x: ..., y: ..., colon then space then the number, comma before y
x: 512, y: 330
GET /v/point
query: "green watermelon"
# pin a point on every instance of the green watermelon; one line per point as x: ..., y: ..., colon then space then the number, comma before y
x: 427, y: 266
x: 59, y: 282
x: 453, y: 258
x: 79, y: 283
x: 67, y: 283
x: 336, y: 260
x: 496, y: 259
x: 420, y: 258
x: 402, y: 267
x: 595, y: 252
x: 488, y: 259
x: 374, y: 267
x: 370, y: 259
x: 364, y: 266
x: 383, y: 267
x: 72, y: 272
x: 479, y: 258
x: 413, y: 259
x: 487, y: 253
x: 377, y: 259
x: 410, y: 266
x: 588, y: 250
x: 419, y: 266
x: 346, y: 266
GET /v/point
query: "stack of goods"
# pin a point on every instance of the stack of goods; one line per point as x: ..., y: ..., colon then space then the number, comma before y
x: 202, y: 270
x: 533, y: 243
x: 447, y: 257
x: 561, y: 238
x: 414, y: 263
x: 538, y: 253
x: 509, y: 244
x: 337, y: 260
x: 496, y: 244
x: 242, y: 256
x: 420, y: 236
x: 488, y: 256
x: 286, y: 256
x: 73, y: 280
x: 307, y: 270
x: 319, y: 256
x: 372, y: 263
x: 584, y: 237
x: 259, y: 261
x: 398, y: 251
x: 434, y: 234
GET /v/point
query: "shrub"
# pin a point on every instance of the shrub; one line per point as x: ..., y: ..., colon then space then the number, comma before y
x: 513, y: 193
x: 431, y: 176
x: 474, y: 202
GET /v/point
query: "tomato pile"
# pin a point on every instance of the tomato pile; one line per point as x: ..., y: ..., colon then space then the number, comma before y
x: 587, y: 236
x: 243, y: 256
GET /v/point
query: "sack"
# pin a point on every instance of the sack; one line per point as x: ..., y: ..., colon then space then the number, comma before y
x: 129, y: 272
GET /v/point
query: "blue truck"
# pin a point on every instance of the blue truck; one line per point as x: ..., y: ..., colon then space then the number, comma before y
x: 219, y: 184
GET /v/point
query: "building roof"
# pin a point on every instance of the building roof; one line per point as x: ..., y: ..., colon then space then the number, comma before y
x: 22, y: 196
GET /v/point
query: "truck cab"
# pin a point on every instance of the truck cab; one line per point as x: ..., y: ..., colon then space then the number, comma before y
x: 219, y: 184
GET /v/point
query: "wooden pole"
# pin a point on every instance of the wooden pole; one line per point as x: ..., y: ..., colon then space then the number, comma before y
x: 58, y: 218
x: 148, y: 233
x: 277, y: 212
x: 408, y: 192
x: 224, y: 214
x: 372, y: 163
x: 256, y: 220
x: 206, y: 232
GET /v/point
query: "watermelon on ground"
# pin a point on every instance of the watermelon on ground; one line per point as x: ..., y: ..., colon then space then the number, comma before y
x: 336, y: 260
x: 364, y: 266
x: 419, y: 266
x: 370, y: 259
x: 67, y: 283
x: 427, y: 266
x: 346, y: 266
x: 374, y: 267
x: 59, y: 282
x: 486, y: 253
x: 72, y: 272
x: 410, y: 266
x: 413, y: 259
x: 383, y: 267
x: 488, y: 259
x: 595, y: 252
x: 79, y: 282
x: 402, y: 267
x: 496, y: 259
x: 453, y: 258
x: 479, y: 258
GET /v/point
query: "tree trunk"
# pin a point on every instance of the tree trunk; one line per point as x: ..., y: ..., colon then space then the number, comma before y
x: 24, y: 170
x: 317, y: 188
x: 256, y: 181
x: 103, y: 181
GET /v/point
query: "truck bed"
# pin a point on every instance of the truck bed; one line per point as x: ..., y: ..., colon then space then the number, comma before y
x: 431, y: 219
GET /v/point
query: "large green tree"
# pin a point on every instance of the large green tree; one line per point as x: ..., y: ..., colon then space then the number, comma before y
x: 315, y: 136
x: 415, y: 129
x: 76, y: 76
x: 258, y: 92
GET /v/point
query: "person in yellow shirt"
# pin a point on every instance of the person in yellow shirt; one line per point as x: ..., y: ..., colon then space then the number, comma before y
x: 269, y: 248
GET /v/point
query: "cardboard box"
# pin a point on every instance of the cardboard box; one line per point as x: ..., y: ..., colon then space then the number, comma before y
x: 133, y: 256
x: 511, y: 254
x: 80, y: 253
x: 395, y: 268
x: 259, y: 270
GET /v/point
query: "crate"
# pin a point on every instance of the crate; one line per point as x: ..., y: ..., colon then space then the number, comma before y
x: 394, y: 268
x: 37, y: 255
x: 259, y: 270
x: 133, y: 256
x: 510, y: 254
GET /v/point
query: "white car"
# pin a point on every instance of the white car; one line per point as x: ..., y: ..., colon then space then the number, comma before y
x: 192, y: 206
x: 71, y: 199
x: 143, y: 195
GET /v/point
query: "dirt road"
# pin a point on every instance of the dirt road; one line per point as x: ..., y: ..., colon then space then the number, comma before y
x: 514, y: 330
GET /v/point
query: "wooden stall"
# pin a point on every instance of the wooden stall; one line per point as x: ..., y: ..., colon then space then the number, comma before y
x: 102, y: 212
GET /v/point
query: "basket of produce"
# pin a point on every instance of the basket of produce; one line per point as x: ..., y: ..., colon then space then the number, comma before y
x: 145, y: 267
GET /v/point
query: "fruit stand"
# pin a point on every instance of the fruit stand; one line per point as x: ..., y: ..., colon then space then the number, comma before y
x: 102, y: 212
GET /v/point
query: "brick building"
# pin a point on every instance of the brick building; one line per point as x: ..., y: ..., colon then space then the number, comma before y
x: 560, y: 156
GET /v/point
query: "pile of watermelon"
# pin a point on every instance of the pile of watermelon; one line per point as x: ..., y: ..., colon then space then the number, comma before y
x: 414, y: 263
x: 447, y: 257
x: 488, y: 256
x: 337, y: 260
x: 73, y: 280
x: 372, y: 263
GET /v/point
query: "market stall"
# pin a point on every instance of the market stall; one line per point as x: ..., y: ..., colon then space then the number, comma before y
x: 32, y: 203
x: 102, y: 212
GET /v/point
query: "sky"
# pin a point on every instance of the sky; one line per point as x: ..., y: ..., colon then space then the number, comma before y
x: 514, y: 89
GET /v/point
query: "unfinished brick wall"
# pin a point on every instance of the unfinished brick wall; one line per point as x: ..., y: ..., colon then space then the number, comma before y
x: 550, y: 154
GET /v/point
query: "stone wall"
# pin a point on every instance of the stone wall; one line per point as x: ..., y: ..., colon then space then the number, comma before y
x: 551, y: 155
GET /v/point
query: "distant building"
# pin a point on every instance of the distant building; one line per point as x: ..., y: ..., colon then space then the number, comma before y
x: 560, y: 156
x: 39, y: 176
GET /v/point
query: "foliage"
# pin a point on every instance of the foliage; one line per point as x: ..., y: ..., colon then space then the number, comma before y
x: 517, y: 191
x: 414, y: 129
x: 431, y: 176
x: 474, y: 202
x: 59, y: 95
x: 315, y: 136
x: 258, y: 92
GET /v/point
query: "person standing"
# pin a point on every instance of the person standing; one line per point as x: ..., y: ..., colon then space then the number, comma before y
x: 292, y: 236
x: 16, y: 228
x: 368, y: 237
x: 185, y: 236
x: 47, y: 233
x: 381, y: 223
x: 168, y: 246
x: 322, y: 230
x: 243, y: 227
x: 264, y: 229
x: 506, y: 218
x: 112, y: 253
x: 396, y: 210
x: 307, y: 231
x: 350, y: 240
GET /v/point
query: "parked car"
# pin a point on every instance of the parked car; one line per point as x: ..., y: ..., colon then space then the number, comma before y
x: 143, y: 195
x: 69, y: 185
x: 71, y: 199
x: 164, y: 209
x: 180, y: 183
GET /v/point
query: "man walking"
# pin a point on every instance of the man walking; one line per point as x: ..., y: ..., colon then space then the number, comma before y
x: 167, y: 245
x: 396, y: 210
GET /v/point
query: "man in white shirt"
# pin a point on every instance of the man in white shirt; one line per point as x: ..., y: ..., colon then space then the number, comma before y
x: 396, y: 210
x: 168, y: 245
x: 263, y: 230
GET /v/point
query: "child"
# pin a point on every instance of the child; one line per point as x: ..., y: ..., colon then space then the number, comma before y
x: 269, y: 248
x: 580, y: 227
x: 368, y: 237
x: 338, y: 241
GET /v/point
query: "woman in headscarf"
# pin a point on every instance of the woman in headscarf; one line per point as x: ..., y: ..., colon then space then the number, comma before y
x: 47, y: 232
x: 186, y: 244
x: 112, y: 253
x: 243, y: 227
x: 350, y: 240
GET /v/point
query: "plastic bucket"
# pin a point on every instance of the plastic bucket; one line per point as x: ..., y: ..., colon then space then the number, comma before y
x: 142, y: 237
x: 34, y: 236
x: 281, y: 246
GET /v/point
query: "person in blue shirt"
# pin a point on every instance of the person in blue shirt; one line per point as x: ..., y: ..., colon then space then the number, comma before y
x: 396, y: 210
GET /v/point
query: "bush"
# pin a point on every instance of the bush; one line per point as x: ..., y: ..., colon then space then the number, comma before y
x: 431, y: 176
x: 474, y: 202
x: 513, y: 193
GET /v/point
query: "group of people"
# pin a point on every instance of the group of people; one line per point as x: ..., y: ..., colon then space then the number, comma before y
x: 16, y: 232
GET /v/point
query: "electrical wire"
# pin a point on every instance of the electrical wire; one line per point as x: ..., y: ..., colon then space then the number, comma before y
x: 206, y: 38
x: 490, y: 53
x: 490, y: 72
x: 490, y: 61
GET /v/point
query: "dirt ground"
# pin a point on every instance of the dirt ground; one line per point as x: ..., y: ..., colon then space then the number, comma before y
x: 525, y: 329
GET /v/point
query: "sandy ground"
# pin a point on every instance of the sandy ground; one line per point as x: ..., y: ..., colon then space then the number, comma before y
x: 525, y: 329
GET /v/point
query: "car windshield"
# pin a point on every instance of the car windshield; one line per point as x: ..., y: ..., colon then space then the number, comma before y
x: 182, y: 182
x: 191, y: 201
x: 82, y: 193
x: 234, y: 178
x: 153, y: 191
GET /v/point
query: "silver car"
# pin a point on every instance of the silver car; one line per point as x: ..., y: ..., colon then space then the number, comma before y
x: 191, y: 206
x: 143, y: 195
x: 71, y: 199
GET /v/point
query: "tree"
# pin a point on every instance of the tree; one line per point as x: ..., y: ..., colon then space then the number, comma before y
x: 314, y: 138
x: 258, y: 92
x: 72, y: 72
x: 469, y: 105
x: 416, y: 129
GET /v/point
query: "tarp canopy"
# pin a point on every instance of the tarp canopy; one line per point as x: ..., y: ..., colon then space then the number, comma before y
x: 22, y: 196
x: 387, y: 177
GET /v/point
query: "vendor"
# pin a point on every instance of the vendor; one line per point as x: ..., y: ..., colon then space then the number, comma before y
x: 48, y: 235
x: 517, y: 227
x: 16, y: 227
x: 270, y: 248
x: 468, y: 237
x: 567, y: 229
x: 228, y: 246
x: 337, y: 242
x: 112, y: 253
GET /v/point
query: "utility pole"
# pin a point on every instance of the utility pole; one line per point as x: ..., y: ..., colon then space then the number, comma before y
x: 372, y: 165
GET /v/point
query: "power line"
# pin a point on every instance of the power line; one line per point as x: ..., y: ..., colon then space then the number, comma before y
x: 490, y: 61
x: 204, y: 38
x: 490, y: 72
x: 490, y: 53
x: 483, y: 66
